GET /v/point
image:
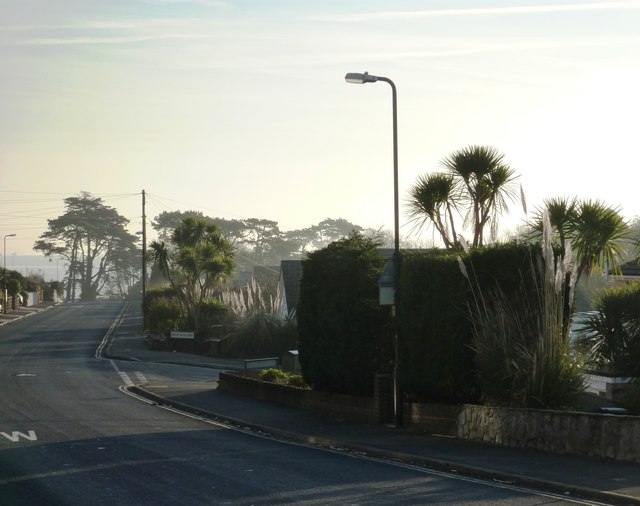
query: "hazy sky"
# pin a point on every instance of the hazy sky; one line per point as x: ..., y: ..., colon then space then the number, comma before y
x: 240, y: 109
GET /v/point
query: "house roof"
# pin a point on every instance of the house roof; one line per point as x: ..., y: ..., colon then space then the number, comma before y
x: 631, y: 268
x: 291, y: 274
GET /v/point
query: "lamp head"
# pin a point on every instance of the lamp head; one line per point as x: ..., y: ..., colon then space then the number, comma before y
x: 356, y: 78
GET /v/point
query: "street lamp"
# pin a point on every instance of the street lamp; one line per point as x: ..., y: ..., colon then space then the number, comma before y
x: 4, y: 273
x: 357, y: 78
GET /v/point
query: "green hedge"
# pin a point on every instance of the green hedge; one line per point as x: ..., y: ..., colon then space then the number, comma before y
x: 346, y: 337
x: 434, y: 324
x: 344, y: 334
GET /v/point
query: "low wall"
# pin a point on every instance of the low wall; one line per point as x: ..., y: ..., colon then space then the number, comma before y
x: 563, y: 432
x: 248, y: 384
x: 596, y: 435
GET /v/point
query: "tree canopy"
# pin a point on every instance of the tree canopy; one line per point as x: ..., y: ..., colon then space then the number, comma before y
x: 93, y: 239
x: 260, y: 241
x: 195, y: 261
x: 596, y: 232
x: 476, y: 184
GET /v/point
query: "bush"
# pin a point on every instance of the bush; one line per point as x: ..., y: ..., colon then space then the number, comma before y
x: 439, y: 360
x: 212, y: 312
x: 260, y: 335
x: 613, y: 332
x: 521, y: 337
x: 345, y: 335
x: 283, y: 378
x: 164, y: 315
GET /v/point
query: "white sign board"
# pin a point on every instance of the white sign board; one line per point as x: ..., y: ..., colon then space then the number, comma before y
x: 175, y: 334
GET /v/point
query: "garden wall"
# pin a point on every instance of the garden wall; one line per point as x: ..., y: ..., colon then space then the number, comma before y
x: 247, y: 383
x: 562, y: 432
x: 596, y: 435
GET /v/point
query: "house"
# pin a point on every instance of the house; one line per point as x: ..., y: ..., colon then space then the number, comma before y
x: 289, y: 284
x: 629, y: 272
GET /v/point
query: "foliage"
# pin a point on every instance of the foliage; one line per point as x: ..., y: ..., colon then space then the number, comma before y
x: 596, y: 232
x: 53, y: 290
x: 613, y: 330
x: 245, y: 301
x: 261, y: 334
x: 433, y: 199
x: 262, y: 329
x: 93, y: 239
x: 164, y: 315
x: 17, y: 283
x: 434, y: 326
x: 283, y: 378
x: 212, y: 312
x: 437, y: 362
x: 523, y: 352
x: 476, y: 183
x: 259, y: 241
x: 345, y: 336
x: 196, y: 262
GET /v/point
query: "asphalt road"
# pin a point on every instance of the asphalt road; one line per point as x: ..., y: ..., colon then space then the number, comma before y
x: 70, y: 436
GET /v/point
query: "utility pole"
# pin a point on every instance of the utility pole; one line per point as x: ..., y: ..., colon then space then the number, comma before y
x: 144, y: 263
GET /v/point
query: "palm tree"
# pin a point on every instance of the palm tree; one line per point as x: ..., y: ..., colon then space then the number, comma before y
x: 195, y: 264
x: 487, y: 183
x: 596, y: 232
x: 433, y: 198
x: 477, y: 179
x: 599, y: 236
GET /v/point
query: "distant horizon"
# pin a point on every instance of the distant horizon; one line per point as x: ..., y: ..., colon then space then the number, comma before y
x: 34, y: 264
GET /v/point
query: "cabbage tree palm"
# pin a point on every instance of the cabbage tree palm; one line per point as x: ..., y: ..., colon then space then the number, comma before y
x: 433, y: 198
x: 597, y: 233
x: 196, y: 261
x: 486, y: 183
x: 476, y: 182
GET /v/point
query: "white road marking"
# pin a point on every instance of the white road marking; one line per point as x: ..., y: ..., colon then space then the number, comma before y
x: 141, y: 377
x: 125, y: 378
x: 15, y: 436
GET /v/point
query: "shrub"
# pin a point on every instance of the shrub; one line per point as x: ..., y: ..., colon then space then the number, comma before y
x: 345, y: 335
x: 250, y: 299
x: 212, y: 312
x: 283, y: 378
x: 260, y: 335
x: 523, y: 351
x: 272, y: 375
x: 613, y: 331
x: 164, y: 315
x: 435, y: 328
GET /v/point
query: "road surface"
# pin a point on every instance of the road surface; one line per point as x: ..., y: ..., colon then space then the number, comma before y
x: 70, y: 436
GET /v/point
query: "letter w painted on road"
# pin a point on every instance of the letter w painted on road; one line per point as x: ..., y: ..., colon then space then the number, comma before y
x: 15, y: 436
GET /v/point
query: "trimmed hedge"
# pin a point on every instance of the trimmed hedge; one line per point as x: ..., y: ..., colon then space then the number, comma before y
x: 433, y: 316
x: 344, y: 334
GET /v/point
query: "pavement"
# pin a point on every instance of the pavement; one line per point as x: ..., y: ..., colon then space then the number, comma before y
x: 596, y: 479
x: 17, y: 314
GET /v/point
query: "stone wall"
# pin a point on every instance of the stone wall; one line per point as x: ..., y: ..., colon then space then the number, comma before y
x: 596, y: 435
x: 562, y: 432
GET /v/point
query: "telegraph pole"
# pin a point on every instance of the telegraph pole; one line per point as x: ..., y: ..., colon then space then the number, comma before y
x: 144, y: 263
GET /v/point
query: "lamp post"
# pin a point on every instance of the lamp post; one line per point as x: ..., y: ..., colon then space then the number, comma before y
x: 144, y: 263
x: 4, y: 273
x: 357, y: 78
